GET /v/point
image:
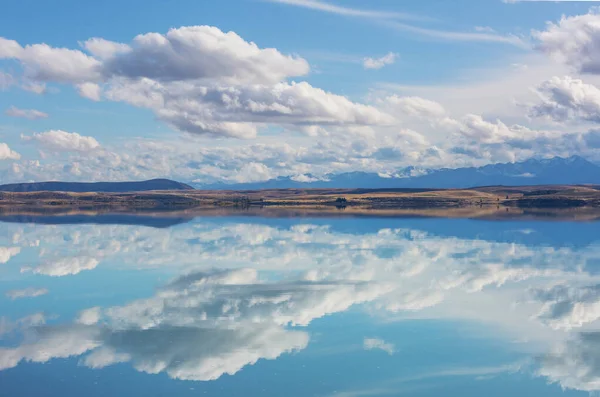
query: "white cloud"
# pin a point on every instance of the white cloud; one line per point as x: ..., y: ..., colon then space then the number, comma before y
x: 6, y: 153
x: 64, y: 141
x: 202, y: 52
x: 379, y: 344
x: 568, y: 99
x: 378, y: 63
x: 574, y: 41
x: 30, y: 114
x: 26, y: 293
x: 90, y: 91
x: 239, y: 111
x: 415, y: 106
x: 197, y: 79
x: 44, y: 63
x: 8, y: 252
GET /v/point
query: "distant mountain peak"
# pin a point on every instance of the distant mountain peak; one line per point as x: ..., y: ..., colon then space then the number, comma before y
x: 534, y: 171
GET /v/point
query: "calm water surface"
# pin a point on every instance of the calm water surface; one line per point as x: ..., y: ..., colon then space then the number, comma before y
x: 249, y: 306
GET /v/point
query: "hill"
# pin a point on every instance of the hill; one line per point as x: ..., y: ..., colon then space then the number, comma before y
x: 104, y: 187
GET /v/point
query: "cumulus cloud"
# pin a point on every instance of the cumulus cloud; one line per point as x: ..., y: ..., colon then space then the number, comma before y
x: 379, y: 344
x: 378, y: 63
x: 202, y: 52
x: 30, y: 114
x: 8, y: 252
x: 90, y: 91
x: 198, y: 79
x: 44, y: 63
x: 568, y: 99
x: 26, y: 293
x: 64, y: 141
x: 6, y: 153
x: 238, y: 111
x: 573, y: 40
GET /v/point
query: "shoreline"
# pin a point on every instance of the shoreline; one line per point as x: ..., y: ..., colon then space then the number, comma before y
x: 540, y: 202
x: 499, y: 197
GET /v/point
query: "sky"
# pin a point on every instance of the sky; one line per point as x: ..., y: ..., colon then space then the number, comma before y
x: 249, y: 90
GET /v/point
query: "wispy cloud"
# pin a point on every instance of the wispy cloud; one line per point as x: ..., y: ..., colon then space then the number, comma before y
x: 458, y: 36
x: 392, y: 20
x: 347, y: 11
x: 30, y: 114
x: 26, y: 293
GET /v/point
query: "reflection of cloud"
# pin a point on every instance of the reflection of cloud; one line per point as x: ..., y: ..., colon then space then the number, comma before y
x: 379, y: 344
x: 64, y: 267
x: 568, y: 307
x: 191, y: 353
x: 26, y: 293
x: 574, y: 364
x: 206, y: 322
x: 89, y: 316
x: 52, y: 342
x: 8, y: 252
x: 225, y: 297
x: 7, y: 326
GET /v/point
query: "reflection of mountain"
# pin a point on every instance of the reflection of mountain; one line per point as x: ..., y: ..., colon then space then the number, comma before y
x: 275, y: 278
x: 98, y: 219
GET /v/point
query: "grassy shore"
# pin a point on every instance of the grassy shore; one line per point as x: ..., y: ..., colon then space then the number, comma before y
x: 480, y: 199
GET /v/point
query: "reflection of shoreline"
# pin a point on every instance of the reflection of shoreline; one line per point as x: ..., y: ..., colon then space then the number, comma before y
x: 171, y: 217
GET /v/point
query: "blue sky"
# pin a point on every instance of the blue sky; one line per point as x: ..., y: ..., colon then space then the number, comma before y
x: 331, y: 87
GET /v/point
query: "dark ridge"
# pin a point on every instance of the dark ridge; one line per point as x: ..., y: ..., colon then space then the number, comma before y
x: 101, y: 219
x: 105, y: 187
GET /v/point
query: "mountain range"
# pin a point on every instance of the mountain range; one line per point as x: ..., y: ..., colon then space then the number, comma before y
x: 554, y: 171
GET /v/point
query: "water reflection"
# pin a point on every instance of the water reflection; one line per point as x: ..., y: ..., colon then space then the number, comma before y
x: 228, y: 293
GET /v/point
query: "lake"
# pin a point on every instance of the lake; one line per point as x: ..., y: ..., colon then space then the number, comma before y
x: 301, y: 306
